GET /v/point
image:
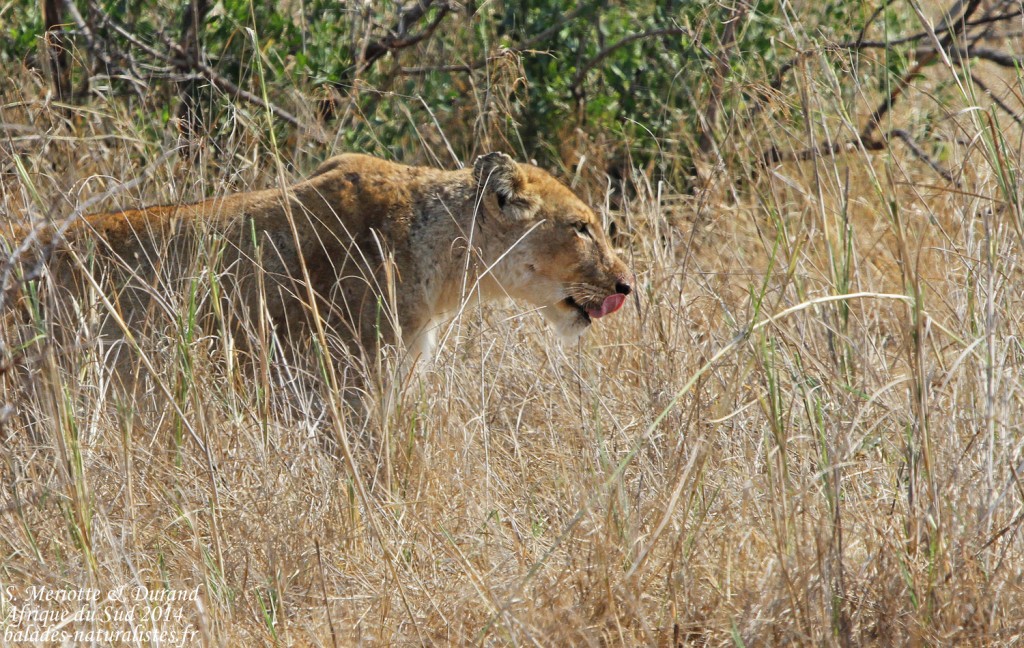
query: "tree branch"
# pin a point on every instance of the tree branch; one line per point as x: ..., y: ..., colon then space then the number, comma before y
x: 867, y: 24
x: 705, y: 142
x: 400, y: 38
x: 919, y: 153
x: 101, y: 54
x: 227, y: 86
x: 179, y: 60
x: 603, y: 54
x: 522, y: 46
x: 866, y: 44
x: 829, y: 149
x: 1001, y: 59
x: 954, y: 30
x: 1017, y: 117
x: 860, y: 44
x: 55, y: 49
x: 189, y: 107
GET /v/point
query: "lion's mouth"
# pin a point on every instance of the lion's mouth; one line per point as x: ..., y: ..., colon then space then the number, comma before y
x: 571, y: 303
x: 609, y: 305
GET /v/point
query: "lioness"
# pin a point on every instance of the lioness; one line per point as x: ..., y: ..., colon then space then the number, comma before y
x: 389, y: 251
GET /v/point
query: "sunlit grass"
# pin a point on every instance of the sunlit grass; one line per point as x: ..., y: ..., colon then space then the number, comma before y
x: 807, y: 432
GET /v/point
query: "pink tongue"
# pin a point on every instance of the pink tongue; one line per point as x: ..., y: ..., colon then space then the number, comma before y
x: 610, y: 304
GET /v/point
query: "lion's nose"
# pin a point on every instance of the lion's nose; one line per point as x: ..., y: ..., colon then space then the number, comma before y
x: 623, y: 287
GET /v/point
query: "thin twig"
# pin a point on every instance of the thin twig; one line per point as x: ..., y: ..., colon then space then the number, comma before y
x: 774, y: 155
x: 996, y: 100
x: 859, y: 44
x: 871, y: 19
x: 100, y: 53
x: 919, y: 153
x: 55, y: 50
x: 1001, y: 59
x: 522, y: 46
x: 179, y: 59
x: 603, y: 54
x: 189, y: 107
x: 415, y: 71
x: 875, y: 119
x: 400, y: 38
x: 953, y: 30
x: 827, y: 149
x: 706, y: 141
x: 230, y: 88
x: 555, y: 27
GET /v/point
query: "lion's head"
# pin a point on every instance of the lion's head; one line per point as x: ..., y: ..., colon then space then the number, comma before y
x: 550, y: 248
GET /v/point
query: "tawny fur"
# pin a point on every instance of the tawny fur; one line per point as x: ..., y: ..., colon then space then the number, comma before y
x: 390, y: 250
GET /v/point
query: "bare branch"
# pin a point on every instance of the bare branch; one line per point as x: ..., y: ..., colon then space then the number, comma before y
x: 999, y: 58
x: 954, y: 30
x: 555, y: 27
x: 912, y: 38
x: 773, y: 155
x: 229, y: 87
x: 179, y: 59
x: 603, y: 54
x: 55, y: 49
x: 400, y: 38
x: 415, y: 71
x: 522, y: 46
x: 867, y: 24
x: 1017, y: 117
x: 101, y: 54
x: 875, y: 119
x: 705, y: 142
x: 830, y: 149
x: 919, y: 153
x: 189, y: 108
x: 860, y: 44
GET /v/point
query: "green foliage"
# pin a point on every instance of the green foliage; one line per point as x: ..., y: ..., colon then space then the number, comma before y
x: 530, y: 76
x: 20, y: 29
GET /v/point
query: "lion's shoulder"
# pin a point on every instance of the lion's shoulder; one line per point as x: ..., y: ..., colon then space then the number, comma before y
x: 356, y: 163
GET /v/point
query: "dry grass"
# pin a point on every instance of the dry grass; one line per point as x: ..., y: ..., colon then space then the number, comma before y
x: 750, y: 458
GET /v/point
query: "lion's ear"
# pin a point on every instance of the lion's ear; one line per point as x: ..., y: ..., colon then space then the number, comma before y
x: 499, y: 173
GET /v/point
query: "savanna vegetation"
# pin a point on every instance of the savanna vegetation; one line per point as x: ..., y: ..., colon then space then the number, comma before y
x: 806, y: 430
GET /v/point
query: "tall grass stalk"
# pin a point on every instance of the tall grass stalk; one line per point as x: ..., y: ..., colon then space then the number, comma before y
x: 806, y: 429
